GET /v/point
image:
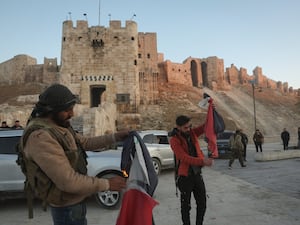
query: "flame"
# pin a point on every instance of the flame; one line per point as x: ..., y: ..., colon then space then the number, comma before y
x: 125, y: 174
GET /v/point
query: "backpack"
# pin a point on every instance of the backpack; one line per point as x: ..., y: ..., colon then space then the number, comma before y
x: 176, y: 177
x: 176, y: 162
x: 37, y: 183
x: 235, y: 142
x: 219, y: 124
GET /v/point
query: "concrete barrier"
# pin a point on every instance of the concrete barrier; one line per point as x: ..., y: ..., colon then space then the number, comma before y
x: 276, y: 155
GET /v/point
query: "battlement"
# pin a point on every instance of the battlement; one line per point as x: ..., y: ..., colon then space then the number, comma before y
x: 82, y: 25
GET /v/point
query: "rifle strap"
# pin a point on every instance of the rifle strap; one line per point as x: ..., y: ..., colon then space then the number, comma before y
x: 29, y: 198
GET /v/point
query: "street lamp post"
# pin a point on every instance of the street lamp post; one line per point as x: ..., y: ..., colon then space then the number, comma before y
x: 254, y: 108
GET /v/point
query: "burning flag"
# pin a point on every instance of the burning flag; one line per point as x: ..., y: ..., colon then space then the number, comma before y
x: 137, y: 203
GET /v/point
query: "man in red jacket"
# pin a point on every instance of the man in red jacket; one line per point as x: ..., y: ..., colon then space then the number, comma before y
x: 189, y: 156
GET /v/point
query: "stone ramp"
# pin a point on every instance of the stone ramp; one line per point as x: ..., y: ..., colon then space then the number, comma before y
x: 276, y: 155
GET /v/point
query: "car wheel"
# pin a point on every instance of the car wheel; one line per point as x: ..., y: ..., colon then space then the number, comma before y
x: 156, y: 165
x: 109, y: 199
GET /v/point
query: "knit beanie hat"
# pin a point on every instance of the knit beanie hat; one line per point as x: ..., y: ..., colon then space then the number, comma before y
x: 56, y: 98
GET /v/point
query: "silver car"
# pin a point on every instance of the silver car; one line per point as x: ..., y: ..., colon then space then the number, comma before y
x: 157, y: 143
x: 101, y: 164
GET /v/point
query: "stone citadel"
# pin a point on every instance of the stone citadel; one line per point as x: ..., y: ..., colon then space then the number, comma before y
x: 116, y: 70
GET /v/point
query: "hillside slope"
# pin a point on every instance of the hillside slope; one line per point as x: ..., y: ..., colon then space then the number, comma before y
x: 274, y: 111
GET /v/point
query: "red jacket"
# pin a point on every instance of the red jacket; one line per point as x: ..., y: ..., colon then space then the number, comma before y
x: 180, y: 148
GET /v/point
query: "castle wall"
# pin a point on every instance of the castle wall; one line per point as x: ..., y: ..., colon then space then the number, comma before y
x: 232, y: 75
x: 13, y: 71
x: 260, y: 79
x: 177, y: 72
x: 243, y: 75
x: 160, y: 58
x: 187, y: 73
x: 280, y: 86
x: 272, y: 84
x: 285, y: 87
x: 23, y: 69
x: 50, y: 71
x: 215, y: 72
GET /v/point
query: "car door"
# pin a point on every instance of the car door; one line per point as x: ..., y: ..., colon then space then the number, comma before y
x: 166, y: 150
x: 160, y: 142
x: 11, y: 176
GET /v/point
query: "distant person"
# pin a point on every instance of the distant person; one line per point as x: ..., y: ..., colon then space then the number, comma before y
x: 285, y: 137
x: 298, y: 137
x: 258, y: 139
x: 4, y: 125
x: 17, y: 125
x: 245, y: 143
x: 237, y: 147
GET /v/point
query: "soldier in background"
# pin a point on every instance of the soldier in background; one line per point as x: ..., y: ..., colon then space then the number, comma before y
x: 245, y: 143
x: 236, y: 146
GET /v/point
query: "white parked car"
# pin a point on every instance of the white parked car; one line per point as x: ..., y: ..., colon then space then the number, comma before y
x: 101, y: 164
x: 157, y: 143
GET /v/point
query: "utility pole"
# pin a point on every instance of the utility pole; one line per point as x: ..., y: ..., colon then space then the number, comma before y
x: 99, y: 12
x: 254, y: 108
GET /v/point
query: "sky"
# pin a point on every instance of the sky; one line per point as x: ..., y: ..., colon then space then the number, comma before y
x: 264, y: 33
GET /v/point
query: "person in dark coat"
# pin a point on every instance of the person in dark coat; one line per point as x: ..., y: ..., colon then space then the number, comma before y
x: 245, y: 142
x: 258, y: 139
x: 285, y: 137
x: 298, y: 137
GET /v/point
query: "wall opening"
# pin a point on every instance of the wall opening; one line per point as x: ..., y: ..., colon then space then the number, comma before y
x: 194, y: 73
x: 96, y: 94
x: 204, y: 74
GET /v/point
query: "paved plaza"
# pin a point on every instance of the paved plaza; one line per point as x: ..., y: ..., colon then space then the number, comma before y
x: 263, y: 193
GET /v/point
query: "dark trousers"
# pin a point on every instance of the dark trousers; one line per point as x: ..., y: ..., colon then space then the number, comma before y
x: 188, y: 185
x: 258, y: 145
x: 244, y: 152
x: 285, y: 145
x: 69, y: 215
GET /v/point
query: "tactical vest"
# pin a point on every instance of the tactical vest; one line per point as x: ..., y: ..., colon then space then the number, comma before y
x: 235, y: 142
x: 37, y: 183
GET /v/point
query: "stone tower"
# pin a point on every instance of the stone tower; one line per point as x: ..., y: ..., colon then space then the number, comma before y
x: 148, y: 67
x: 99, y: 64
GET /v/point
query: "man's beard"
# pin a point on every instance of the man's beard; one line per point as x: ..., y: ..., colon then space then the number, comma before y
x: 185, y: 134
x: 61, y: 122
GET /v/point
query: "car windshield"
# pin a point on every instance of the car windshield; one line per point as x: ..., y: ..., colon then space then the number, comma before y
x: 155, y: 139
x: 224, y: 135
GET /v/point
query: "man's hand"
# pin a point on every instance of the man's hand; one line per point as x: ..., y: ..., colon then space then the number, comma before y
x: 116, y: 183
x: 208, y: 161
